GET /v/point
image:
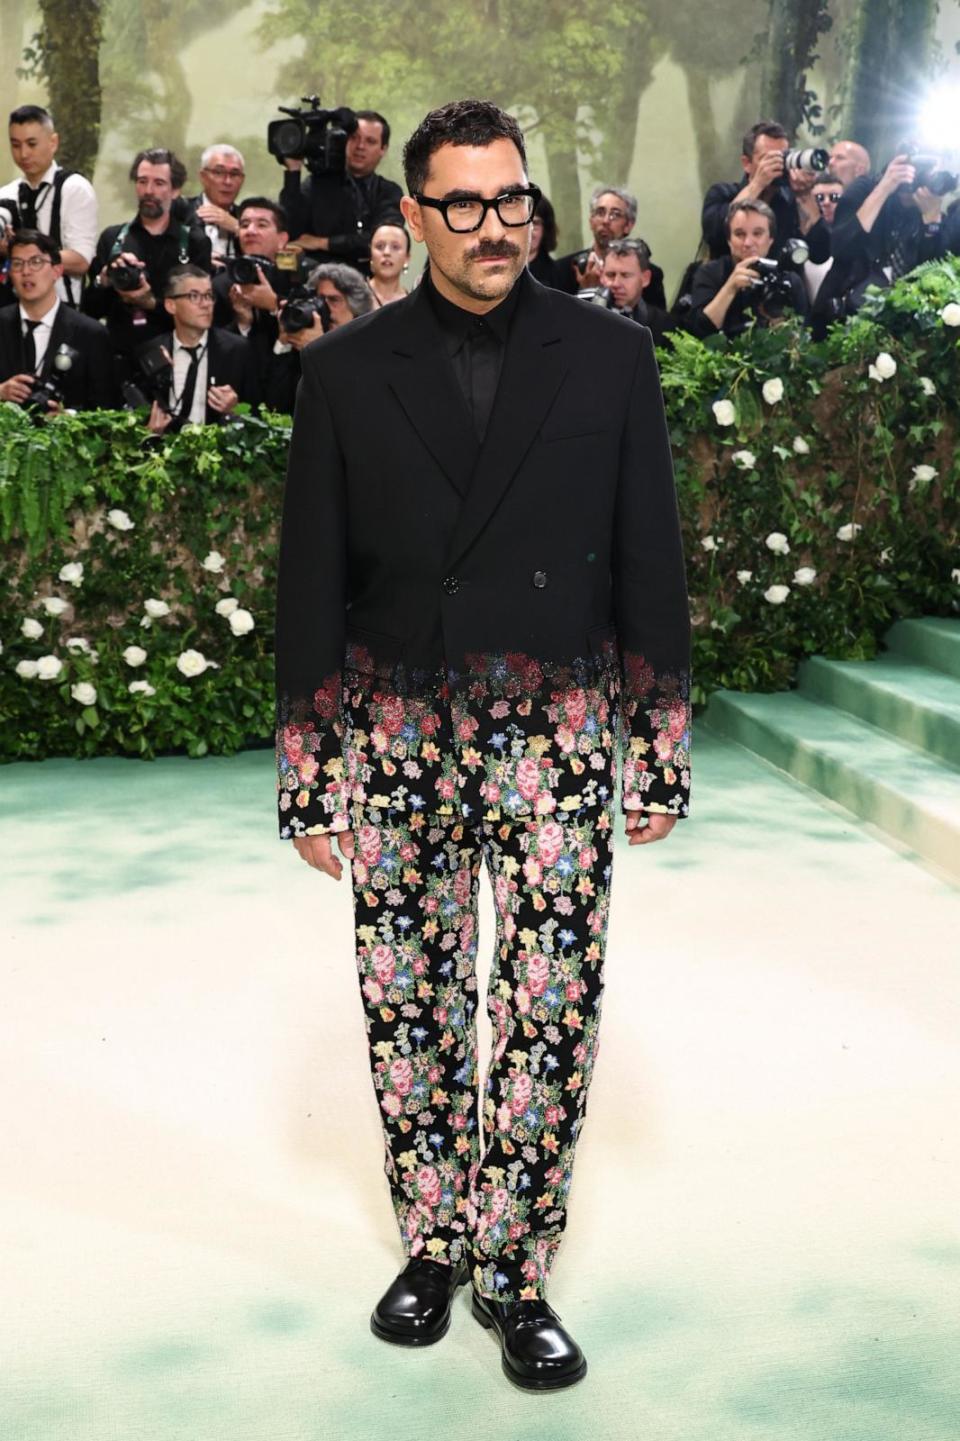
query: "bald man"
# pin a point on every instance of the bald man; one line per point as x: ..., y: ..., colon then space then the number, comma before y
x: 848, y: 161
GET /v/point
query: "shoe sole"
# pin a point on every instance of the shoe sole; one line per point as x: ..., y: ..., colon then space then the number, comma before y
x: 396, y: 1338
x: 527, y: 1383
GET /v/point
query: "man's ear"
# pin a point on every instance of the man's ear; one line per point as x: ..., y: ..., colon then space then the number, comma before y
x: 55, y: 142
x: 645, y: 278
x: 413, y: 215
x: 284, y: 239
x: 168, y: 306
x: 745, y: 162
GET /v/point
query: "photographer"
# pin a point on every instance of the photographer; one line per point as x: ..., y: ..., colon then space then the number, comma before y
x: 57, y: 202
x: 627, y: 275
x: 885, y: 227
x: 249, y: 307
x: 222, y: 173
x: 340, y: 294
x: 133, y: 260
x: 333, y: 215
x: 787, y: 192
x: 50, y: 356
x: 735, y: 290
x: 211, y: 371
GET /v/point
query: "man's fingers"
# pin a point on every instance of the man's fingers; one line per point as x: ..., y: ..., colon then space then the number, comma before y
x: 656, y: 828
x: 317, y: 851
x: 346, y: 843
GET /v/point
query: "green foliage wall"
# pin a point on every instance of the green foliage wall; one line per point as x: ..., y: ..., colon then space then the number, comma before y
x: 819, y: 489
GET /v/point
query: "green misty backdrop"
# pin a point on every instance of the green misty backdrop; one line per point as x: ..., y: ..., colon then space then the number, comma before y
x: 653, y: 94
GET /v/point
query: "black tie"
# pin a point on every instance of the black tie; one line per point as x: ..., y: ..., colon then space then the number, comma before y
x: 29, y: 201
x: 30, y: 348
x: 190, y: 384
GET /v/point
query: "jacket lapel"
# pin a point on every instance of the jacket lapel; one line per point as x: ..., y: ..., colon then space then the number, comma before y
x: 427, y: 389
x: 533, y: 370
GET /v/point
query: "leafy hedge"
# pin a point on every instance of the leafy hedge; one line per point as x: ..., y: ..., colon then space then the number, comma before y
x: 818, y: 488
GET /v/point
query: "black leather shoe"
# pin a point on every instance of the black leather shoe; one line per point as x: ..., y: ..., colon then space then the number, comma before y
x: 415, y: 1309
x: 538, y: 1354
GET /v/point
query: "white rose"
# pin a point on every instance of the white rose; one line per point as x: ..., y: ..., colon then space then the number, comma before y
x: 141, y: 687
x: 922, y: 474
x: 849, y: 532
x: 708, y: 543
x: 927, y: 385
x: 724, y: 412
x: 156, y: 608
x: 778, y: 543
x: 119, y: 520
x: 883, y: 368
x: 955, y: 575
x: 26, y: 669
x: 226, y: 606
x: 213, y: 562
x: 77, y: 642
x: 48, y: 667
x: 191, y: 663
x: 241, y: 622
x: 84, y: 692
x: 773, y: 390
x: 776, y: 594
x: 950, y: 314
x: 53, y: 605
x: 134, y: 655
x: 145, y: 622
x: 72, y: 572
x: 800, y: 446
x: 744, y: 458
x: 885, y: 555
x: 744, y: 576
x: 806, y: 575
x: 31, y: 629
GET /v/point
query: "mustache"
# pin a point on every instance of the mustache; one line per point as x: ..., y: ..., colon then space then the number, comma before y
x: 494, y: 250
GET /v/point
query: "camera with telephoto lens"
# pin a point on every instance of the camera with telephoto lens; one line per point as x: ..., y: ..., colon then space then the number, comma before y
x: 301, y: 310
x: 597, y: 295
x: 812, y: 158
x: 315, y: 136
x: 43, y: 391
x: 928, y: 174
x: 122, y: 276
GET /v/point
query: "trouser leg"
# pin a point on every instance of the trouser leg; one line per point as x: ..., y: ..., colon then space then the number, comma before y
x: 551, y: 879
x: 415, y: 905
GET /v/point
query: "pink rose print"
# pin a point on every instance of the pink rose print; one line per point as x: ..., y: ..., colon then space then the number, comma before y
x: 292, y: 744
x: 384, y: 964
x: 528, y: 778
x: 428, y: 1184
x: 587, y: 857
x: 565, y: 739
x: 401, y: 1074
x: 393, y: 715
x: 309, y: 769
x: 522, y: 997
x: 663, y: 746
x: 678, y: 720
x: 499, y: 1201
x: 575, y: 704
x: 504, y: 1117
x: 533, y: 871
x: 461, y: 887
x: 391, y: 1103
x: 369, y: 841
x: 522, y: 1091
x: 550, y: 842
x: 538, y: 974
x: 373, y: 991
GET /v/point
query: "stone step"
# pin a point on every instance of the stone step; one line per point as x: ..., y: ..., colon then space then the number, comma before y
x: 931, y: 641
x: 910, y: 701
x: 911, y: 796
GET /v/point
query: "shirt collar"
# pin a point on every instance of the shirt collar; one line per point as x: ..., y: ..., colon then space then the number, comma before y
x: 179, y: 345
x: 46, y: 179
x: 47, y: 319
x: 458, y: 324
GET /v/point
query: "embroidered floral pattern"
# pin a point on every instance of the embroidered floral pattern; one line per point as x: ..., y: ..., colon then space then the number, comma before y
x: 415, y: 893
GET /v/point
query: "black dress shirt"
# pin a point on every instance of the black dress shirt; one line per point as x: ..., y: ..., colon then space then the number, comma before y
x: 475, y: 345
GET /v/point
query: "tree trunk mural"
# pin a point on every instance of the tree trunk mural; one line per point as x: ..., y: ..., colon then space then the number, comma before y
x: 793, y: 28
x: 890, y: 49
x: 71, y: 63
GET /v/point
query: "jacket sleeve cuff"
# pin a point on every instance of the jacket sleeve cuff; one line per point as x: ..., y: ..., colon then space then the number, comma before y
x: 655, y: 742
x: 312, y: 786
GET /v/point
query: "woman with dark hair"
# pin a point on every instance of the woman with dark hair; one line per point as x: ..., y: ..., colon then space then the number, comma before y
x: 389, y: 258
x: 543, y: 239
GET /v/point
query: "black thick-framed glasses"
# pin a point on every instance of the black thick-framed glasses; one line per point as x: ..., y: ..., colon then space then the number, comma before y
x: 464, y: 213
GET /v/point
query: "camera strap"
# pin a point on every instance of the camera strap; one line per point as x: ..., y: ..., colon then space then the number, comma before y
x: 183, y: 243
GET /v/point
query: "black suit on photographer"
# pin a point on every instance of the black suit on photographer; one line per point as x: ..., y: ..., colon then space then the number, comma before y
x: 746, y: 287
x: 886, y: 227
x: 770, y: 175
x: 334, y: 213
x: 128, y: 293
x: 247, y: 295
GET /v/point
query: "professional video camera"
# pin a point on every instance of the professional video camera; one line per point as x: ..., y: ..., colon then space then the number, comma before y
x: 301, y: 308
x: 155, y: 366
x: 317, y: 137
x: 810, y: 159
x: 43, y: 391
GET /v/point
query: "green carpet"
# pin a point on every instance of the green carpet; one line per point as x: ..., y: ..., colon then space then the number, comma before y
x: 762, y: 1242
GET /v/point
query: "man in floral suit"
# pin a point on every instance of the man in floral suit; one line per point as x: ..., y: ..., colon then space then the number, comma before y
x: 481, y: 602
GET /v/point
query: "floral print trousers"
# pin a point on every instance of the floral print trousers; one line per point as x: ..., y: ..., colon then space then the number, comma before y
x: 497, y: 1199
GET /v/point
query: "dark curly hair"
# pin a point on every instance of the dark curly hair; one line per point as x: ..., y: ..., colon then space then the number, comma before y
x: 461, y: 122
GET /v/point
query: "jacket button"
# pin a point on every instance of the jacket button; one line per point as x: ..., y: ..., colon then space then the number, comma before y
x: 450, y: 584
x: 539, y: 579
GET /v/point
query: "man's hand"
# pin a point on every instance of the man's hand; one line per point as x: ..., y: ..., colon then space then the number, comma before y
x: 216, y: 215
x: 241, y: 306
x: 17, y: 388
x: 591, y: 274
x: 158, y: 419
x: 290, y: 164
x: 657, y: 828
x: 898, y: 172
x: 768, y: 172
x: 300, y: 338
x: 222, y: 398
x: 261, y: 296
x: 310, y: 242
x: 317, y: 851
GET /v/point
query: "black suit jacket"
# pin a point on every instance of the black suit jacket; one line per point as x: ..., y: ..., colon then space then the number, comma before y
x: 345, y: 211
x: 89, y: 383
x: 230, y: 361
x: 412, y: 558
x: 782, y: 202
